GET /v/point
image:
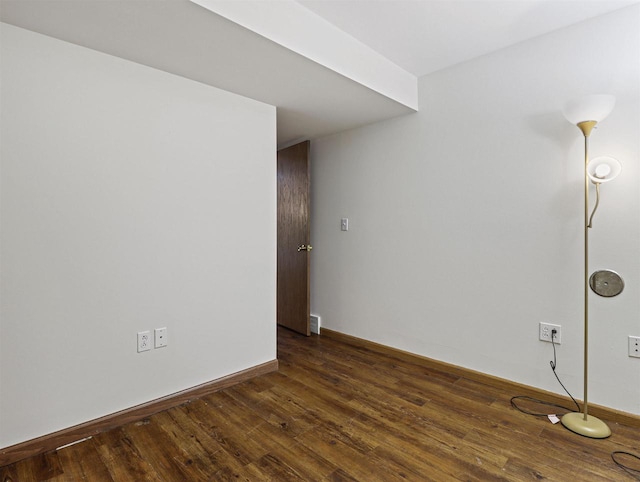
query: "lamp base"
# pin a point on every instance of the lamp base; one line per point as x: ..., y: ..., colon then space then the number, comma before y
x: 591, y: 427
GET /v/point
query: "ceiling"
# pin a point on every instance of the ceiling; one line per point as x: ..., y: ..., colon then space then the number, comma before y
x: 423, y: 36
x: 317, y: 92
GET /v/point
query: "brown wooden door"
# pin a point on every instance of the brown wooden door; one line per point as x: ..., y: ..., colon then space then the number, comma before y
x: 293, y: 302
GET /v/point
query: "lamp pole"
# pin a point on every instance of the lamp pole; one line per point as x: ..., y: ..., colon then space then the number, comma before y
x: 585, y: 407
x: 583, y: 423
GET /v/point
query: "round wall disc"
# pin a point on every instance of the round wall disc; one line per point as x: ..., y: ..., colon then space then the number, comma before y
x: 606, y: 283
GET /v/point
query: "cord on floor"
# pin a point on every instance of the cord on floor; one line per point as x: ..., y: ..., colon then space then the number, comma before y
x: 629, y: 470
x: 542, y: 402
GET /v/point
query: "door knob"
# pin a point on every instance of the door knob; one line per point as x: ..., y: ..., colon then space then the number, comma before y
x: 304, y: 247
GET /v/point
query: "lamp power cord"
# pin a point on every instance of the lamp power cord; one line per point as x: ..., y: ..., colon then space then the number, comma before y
x: 629, y: 470
x: 553, y: 365
x: 553, y: 368
x: 615, y: 455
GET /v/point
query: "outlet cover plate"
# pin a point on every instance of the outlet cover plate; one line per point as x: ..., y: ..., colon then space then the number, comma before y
x: 144, y: 341
x: 545, y: 332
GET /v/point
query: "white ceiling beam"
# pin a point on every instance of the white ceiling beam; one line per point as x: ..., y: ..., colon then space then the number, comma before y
x: 298, y: 29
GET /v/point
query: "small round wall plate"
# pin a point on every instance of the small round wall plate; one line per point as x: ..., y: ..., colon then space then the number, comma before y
x: 606, y: 283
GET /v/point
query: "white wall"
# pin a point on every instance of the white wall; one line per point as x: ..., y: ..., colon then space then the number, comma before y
x: 131, y: 199
x: 466, y: 218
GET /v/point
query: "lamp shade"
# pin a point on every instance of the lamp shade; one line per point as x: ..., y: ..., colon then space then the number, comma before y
x: 589, y: 108
x: 603, y: 169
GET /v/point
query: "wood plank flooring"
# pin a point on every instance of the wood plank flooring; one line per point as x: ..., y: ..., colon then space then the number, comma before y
x: 337, y: 412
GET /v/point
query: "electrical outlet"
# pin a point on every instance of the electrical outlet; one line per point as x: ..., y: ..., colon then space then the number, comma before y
x: 144, y: 341
x: 160, y: 336
x: 634, y: 346
x: 546, y: 332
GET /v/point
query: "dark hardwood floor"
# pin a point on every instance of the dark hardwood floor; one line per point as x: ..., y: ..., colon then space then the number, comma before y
x: 338, y: 412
